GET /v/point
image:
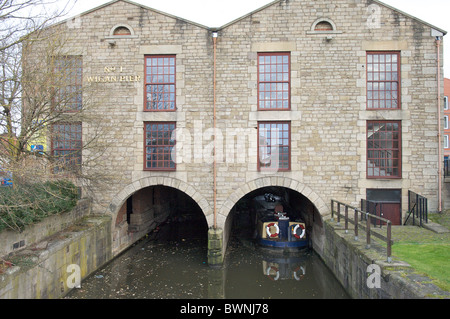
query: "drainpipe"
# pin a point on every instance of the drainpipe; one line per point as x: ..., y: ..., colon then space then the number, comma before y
x: 214, y: 35
x: 438, y: 46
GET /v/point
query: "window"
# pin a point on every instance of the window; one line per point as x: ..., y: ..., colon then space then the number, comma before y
x: 67, y: 145
x: 383, y: 149
x: 383, y: 80
x: 323, y: 26
x: 68, y: 81
x: 446, y: 141
x: 274, y: 146
x: 445, y: 102
x: 446, y: 122
x: 274, y: 81
x: 119, y: 31
x: 159, y: 146
x: 160, y: 83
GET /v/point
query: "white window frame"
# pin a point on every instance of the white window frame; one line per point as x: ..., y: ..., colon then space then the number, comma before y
x: 446, y: 141
x: 445, y: 122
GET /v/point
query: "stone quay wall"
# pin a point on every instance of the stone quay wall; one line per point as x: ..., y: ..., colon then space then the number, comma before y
x: 52, y: 269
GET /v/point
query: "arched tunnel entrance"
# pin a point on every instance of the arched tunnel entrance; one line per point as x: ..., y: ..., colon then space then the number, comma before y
x: 163, y: 212
x: 178, y: 268
x: 243, y: 221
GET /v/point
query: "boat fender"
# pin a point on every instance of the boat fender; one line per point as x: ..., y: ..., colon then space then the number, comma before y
x: 277, y: 273
x: 294, y: 231
x: 268, y: 230
x: 296, y: 276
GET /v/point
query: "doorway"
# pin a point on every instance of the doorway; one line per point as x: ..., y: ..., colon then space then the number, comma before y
x: 389, y: 203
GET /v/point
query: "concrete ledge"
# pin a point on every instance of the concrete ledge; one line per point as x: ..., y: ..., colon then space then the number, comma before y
x: 49, y: 226
x: 42, y: 273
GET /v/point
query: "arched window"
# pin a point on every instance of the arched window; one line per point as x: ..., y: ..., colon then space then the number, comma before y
x: 121, y: 31
x: 323, y: 26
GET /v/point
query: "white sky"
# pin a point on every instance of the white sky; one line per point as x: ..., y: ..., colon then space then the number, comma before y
x: 215, y: 13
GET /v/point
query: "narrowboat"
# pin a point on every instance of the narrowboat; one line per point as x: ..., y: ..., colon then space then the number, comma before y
x: 277, y: 228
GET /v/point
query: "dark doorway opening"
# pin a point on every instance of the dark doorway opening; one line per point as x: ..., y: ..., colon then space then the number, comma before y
x: 165, y: 212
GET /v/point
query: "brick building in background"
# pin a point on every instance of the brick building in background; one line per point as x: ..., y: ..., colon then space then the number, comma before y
x: 446, y: 119
x: 346, y: 91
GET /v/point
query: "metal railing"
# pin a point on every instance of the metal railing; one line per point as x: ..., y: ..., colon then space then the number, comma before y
x: 374, y: 208
x: 418, y: 207
x: 362, y: 220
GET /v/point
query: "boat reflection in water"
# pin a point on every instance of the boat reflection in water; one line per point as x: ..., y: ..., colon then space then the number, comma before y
x: 292, y: 268
x: 252, y: 273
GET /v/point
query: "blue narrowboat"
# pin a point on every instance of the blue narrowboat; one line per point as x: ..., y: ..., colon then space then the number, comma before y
x: 277, y: 228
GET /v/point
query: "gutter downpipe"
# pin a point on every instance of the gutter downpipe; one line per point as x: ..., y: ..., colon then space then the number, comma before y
x: 438, y: 45
x: 214, y: 35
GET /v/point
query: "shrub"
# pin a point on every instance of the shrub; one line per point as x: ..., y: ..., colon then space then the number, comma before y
x: 27, y: 204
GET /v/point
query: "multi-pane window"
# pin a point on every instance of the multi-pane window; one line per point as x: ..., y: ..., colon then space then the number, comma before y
x: 159, y: 146
x: 274, y: 146
x: 383, y: 149
x: 160, y: 75
x: 274, y: 81
x: 66, y: 145
x: 383, y: 80
x: 68, y: 82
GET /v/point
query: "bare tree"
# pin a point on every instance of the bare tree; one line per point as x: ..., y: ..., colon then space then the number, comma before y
x: 20, y: 22
x: 43, y: 106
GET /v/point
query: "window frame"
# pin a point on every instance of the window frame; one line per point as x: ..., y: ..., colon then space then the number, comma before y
x: 173, y: 147
x: 79, y: 157
x: 147, y: 84
x: 261, y: 168
x: 398, y: 81
x: 288, y: 82
x: 399, y: 149
x: 77, y: 61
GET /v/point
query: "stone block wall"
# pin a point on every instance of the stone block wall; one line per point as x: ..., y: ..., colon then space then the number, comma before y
x: 328, y: 94
x: 328, y: 111
x: 44, y: 274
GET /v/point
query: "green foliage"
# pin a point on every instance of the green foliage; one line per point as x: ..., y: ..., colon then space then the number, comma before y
x: 27, y: 204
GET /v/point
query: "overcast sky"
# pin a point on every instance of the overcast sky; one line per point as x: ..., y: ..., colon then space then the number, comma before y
x: 215, y: 13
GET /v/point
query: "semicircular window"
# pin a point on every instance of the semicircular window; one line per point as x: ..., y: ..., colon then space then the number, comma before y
x: 121, y: 31
x: 323, y: 26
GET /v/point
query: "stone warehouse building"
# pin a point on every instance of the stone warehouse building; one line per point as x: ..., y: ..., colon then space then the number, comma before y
x: 316, y: 100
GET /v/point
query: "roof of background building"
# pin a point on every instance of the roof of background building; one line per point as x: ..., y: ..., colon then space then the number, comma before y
x: 244, y: 16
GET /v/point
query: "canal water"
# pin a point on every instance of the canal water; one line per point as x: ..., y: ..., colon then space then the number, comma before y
x: 172, y: 264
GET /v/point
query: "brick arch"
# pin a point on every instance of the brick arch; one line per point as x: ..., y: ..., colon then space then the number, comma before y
x: 279, y: 181
x: 175, y: 183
